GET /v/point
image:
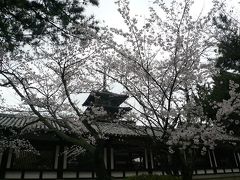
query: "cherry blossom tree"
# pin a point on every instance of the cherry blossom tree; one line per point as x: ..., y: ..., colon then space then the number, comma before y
x: 160, y: 61
x: 48, y: 79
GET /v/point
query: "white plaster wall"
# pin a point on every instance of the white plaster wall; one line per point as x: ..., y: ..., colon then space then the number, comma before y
x: 117, y: 174
x: 13, y: 175
x: 49, y: 175
x: 69, y: 174
x: 85, y: 174
x: 31, y: 175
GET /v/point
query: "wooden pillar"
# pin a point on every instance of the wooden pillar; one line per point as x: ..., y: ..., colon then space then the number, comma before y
x: 2, y: 165
x: 57, y: 150
x: 112, y: 157
x: 146, y: 158
x: 1, y: 156
x: 65, y: 158
x: 105, y: 156
x: 151, y: 159
x: 214, y: 158
x: 9, y: 158
x: 59, y: 153
x: 238, y: 157
x: 235, y: 158
x: 210, y: 159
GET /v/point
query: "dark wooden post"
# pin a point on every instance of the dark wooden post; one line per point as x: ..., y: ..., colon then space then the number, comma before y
x: 3, y: 163
x: 214, y: 161
x: 60, y: 162
x: 151, y: 163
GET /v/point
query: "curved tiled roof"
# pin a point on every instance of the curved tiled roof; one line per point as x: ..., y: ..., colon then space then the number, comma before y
x: 125, y: 129
x: 116, y: 128
x: 119, y: 128
x: 19, y: 121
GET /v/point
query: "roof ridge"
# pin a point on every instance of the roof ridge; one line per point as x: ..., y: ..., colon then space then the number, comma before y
x: 17, y: 115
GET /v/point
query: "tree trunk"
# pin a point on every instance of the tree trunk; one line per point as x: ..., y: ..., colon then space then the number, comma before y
x: 187, y: 172
x: 101, y: 171
x: 186, y: 157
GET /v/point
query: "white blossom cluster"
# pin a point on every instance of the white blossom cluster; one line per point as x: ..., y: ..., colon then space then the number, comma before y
x: 48, y: 80
x: 73, y: 151
x: 226, y: 107
x: 17, y: 145
x: 159, y: 62
x: 196, y: 135
x: 91, y: 139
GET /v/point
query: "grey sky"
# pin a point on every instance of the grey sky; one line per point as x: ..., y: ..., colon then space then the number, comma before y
x: 107, y: 9
x: 107, y: 12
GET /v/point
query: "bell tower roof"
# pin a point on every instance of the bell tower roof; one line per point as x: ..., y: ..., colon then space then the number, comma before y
x: 104, y: 98
x: 109, y: 102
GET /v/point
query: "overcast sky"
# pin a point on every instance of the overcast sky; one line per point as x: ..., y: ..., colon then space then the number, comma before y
x: 107, y: 14
x: 107, y: 9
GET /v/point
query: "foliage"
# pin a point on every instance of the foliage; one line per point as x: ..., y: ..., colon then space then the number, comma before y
x: 153, y: 177
x: 228, y: 45
x: 27, y: 21
x: 226, y: 80
x: 212, y: 99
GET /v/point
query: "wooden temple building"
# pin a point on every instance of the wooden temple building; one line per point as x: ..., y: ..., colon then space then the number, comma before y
x: 128, y: 150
